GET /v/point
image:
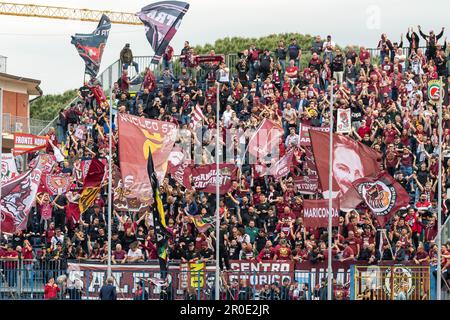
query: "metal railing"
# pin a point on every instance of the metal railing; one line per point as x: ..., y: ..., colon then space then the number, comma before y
x: 12, y: 123
x: 3, y: 63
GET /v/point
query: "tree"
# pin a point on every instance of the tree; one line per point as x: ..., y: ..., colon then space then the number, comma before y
x: 48, y: 106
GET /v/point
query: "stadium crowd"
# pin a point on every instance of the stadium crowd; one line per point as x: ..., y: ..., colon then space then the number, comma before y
x: 261, y: 219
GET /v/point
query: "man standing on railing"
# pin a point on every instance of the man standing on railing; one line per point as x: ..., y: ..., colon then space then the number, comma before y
x: 432, y: 40
x: 126, y: 58
x: 167, y: 59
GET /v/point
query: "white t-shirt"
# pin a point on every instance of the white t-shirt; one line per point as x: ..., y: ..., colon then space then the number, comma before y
x: 224, y: 75
x: 135, y: 254
x: 327, y: 44
x: 227, y: 117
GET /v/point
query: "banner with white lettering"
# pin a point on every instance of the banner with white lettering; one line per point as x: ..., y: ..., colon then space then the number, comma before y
x: 204, y: 177
x: 315, y: 213
x: 25, y: 142
x: 304, y: 138
x: 259, y: 273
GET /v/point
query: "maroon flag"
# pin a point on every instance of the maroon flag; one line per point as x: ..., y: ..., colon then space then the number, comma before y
x: 383, y: 195
x: 259, y: 170
x: 265, y: 140
x: 17, y: 197
x: 56, y: 184
x: 315, y: 213
x: 283, y: 166
x: 181, y: 173
x: 352, y: 160
x: 95, y: 174
x: 204, y: 177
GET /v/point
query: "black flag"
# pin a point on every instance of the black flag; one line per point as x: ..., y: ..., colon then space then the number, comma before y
x: 90, y: 46
x: 159, y: 218
x: 161, y: 21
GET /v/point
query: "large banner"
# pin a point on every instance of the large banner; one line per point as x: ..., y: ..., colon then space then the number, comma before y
x: 316, y: 212
x: 204, y: 177
x: 93, y: 276
x: 259, y: 273
x: 265, y: 140
x: 383, y: 195
x: 344, y: 123
x: 90, y: 46
x: 9, y: 169
x: 17, y: 197
x: 304, y: 137
x: 161, y: 21
x: 25, y: 142
x: 136, y: 136
x: 351, y: 161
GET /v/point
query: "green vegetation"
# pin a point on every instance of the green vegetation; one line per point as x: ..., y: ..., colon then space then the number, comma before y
x: 48, y: 106
x: 236, y: 44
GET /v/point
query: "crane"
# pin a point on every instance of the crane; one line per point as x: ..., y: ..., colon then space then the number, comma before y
x: 39, y: 11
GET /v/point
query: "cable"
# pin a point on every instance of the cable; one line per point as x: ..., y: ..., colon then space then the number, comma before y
x: 54, y: 35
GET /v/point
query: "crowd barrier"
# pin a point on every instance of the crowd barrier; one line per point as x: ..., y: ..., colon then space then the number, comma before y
x: 25, y: 279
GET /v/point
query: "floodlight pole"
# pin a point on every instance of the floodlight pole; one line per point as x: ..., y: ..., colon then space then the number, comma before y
x: 330, y: 201
x: 439, y: 209
x: 217, y: 276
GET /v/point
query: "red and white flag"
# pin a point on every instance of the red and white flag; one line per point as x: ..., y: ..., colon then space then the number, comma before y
x: 196, y: 117
x: 56, y: 183
x: 283, y: 166
x: 265, y: 140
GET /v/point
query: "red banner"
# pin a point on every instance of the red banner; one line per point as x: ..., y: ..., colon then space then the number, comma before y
x: 304, y: 138
x: 383, y: 195
x: 351, y: 161
x: 25, y: 142
x: 204, y: 177
x: 136, y: 135
x: 315, y: 213
x: 265, y: 140
x: 306, y: 184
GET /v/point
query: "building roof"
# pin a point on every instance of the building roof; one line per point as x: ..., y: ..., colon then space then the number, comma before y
x: 32, y: 84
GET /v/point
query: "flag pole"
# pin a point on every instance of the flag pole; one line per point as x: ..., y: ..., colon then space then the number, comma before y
x: 330, y: 200
x: 1, y: 150
x: 439, y: 209
x: 110, y: 181
x: 217, y: 276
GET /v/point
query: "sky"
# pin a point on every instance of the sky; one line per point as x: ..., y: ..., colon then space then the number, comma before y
x: 40, y: 48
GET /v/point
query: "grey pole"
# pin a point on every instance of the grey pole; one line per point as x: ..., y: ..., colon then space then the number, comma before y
x: 439, y: 211
x: 1, y: 148
x: 330, y: 201
x: 217, y: 291
x: 110, y: 181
